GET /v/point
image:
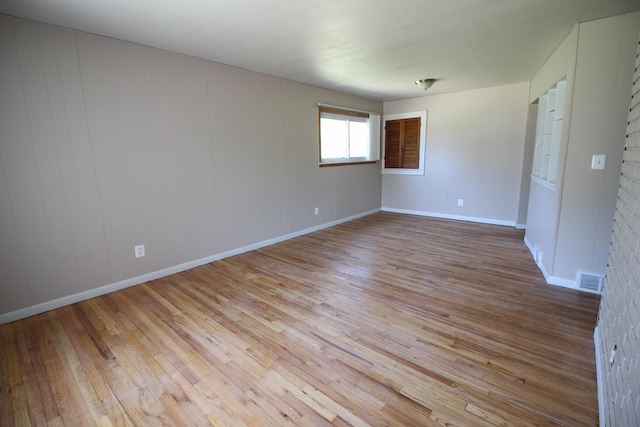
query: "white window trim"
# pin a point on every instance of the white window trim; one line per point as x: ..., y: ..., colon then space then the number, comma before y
x: 374, y: 146
x: 423, y: 144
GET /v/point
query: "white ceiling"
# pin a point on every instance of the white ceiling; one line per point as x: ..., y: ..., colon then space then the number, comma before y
x: 373, y: 48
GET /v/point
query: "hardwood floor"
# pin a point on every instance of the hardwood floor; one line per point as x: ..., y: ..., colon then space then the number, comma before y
x: 387, y: 320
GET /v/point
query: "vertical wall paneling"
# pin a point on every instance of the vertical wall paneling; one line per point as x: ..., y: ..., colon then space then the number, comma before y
x: 301, y: 158
x: 544, y: 202
x: 20, y: 161
x: 474, y: 150
x: 568, y: 226
x: 127, y: 158
x: 354, y: 192
x: 147, y: 229
x: 195, y: 156
x: 53, y: 156
x: 248, y: 136
x: 105, y: 144
x: 596, y: 127
x: 525, y: 183
x: 230, y: 179
x: 77, y: 167
x: 486, y: 145
x: 13, y: 132
x: 168, y: 224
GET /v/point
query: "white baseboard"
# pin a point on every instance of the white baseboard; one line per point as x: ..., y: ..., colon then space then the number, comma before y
x: 447, y: 216
x: 102, y: 290
x: 569, y: 283
x: 560, y: 281
x: 530, y: 247
x: 554, y: 280
x: 599, y: 378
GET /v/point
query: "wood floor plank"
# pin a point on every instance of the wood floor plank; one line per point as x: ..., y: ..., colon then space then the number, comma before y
x: 38, y: 390
x: 390, y: 319
x: 74, y: 365
x: 57, y: 373
x: 14, y: 402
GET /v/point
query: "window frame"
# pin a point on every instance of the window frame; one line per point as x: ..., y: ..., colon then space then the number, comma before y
x: 423, y: 143
x: 373, y: 121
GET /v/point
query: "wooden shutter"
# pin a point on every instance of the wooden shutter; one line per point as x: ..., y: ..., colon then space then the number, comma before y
x: 392, y: 144
x: 402, y: 143
x: 411, y: 144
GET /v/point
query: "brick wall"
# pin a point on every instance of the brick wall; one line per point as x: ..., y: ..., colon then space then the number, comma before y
x: 619, y: 323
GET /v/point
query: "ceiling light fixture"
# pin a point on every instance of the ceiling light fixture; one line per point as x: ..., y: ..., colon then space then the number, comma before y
x: 425, y: 83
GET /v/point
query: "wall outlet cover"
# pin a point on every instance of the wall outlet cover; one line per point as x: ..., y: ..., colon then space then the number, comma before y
x: 138, y: 251
x: 598, y: 161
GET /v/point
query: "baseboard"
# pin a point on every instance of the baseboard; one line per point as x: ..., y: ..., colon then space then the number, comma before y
x: 560, y: 281
x: 447, y: 216
x: 528, y: 244
x: 103, y: 290
x: 555, y: 280
x: 599, y: 378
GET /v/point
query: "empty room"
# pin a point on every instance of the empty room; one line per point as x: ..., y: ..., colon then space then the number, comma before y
x: 319, y: 213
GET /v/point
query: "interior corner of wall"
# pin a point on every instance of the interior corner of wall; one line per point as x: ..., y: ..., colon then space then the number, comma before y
x: 559, y: 64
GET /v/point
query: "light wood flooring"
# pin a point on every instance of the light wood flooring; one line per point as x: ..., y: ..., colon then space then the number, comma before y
x: 386, y: 320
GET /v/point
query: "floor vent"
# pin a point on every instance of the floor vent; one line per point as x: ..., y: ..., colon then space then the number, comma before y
x: 590, y: 282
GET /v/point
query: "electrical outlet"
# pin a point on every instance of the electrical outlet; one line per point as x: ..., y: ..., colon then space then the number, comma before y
x: 316, y: 211
x: 460, y: 202
x: 138, y: 251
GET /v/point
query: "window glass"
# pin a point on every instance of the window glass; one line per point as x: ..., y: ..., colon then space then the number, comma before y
x: 334, y: 138
x: 347, y: 136
x: 358, y: 139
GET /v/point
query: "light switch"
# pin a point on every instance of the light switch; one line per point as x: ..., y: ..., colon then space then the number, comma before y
x: 598, y: 161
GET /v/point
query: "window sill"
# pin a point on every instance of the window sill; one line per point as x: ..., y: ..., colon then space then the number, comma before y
x: 367, y: 162
x: 550, y: 185
x: 402, y: 171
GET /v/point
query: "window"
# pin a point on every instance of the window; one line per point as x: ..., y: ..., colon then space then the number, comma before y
x: 548, y: 137
x: 404, y: 143
x: 348, y: 136
x: 402, y: 137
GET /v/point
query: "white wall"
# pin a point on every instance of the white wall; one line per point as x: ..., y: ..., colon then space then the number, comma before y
x: 474, y: 151
x: 106, y: 144
x: 544, y: 202
x: 561, y: 63
x: 571, y: 225
x: 603, y: 79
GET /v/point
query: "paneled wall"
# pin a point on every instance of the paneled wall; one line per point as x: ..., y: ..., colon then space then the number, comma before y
x: 544, y: 202
x: 106, y: 144
x: 569, y: 227
x: 474, y: 152
x: 603, y: 73
x: 619, y: 322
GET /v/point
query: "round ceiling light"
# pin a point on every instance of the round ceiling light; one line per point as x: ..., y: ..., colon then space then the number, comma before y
x: 425, y: 83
